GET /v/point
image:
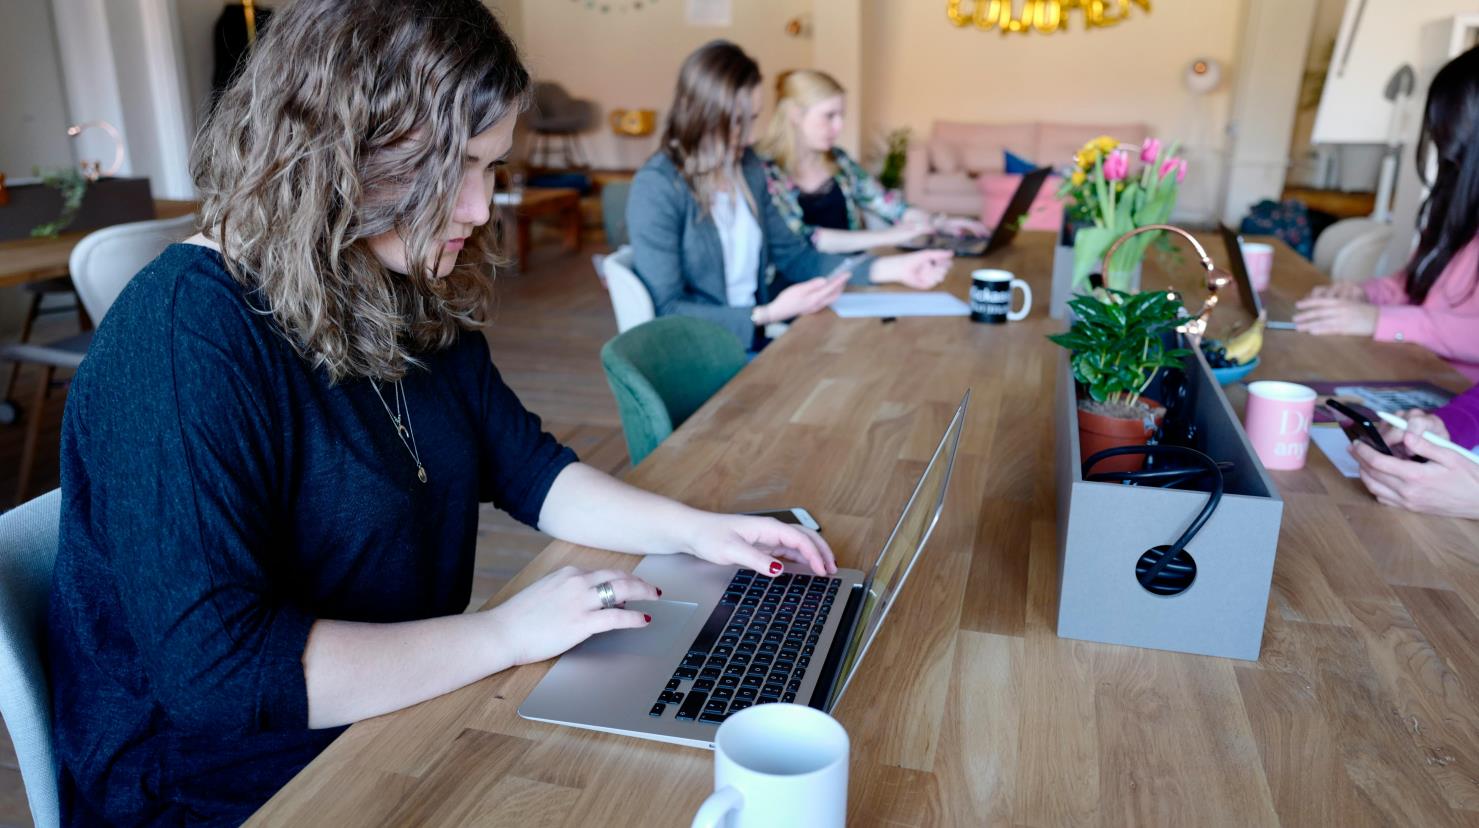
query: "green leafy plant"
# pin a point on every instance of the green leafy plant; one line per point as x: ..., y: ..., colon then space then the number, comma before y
x: 892, y: 174
x: 1117, y: 343
x: 73, y: 185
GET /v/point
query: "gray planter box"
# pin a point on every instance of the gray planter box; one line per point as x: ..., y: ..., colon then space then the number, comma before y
x: 1104, y: 528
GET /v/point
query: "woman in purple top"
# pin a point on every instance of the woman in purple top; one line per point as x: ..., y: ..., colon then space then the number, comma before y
x: 1449, y: 484
x: 1434, y: 301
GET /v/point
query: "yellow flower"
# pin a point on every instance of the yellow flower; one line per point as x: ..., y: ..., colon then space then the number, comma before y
x: 1078, y: 178
x: 1086, y: 157
x: 1105, y: 144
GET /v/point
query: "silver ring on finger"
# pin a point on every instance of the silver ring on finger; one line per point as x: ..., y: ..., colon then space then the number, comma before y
x: 607, y: 594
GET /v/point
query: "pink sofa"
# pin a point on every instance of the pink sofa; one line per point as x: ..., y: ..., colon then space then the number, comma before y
x: 958, y: 169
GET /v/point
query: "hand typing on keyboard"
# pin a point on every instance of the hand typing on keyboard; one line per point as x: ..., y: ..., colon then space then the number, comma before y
x: 756, y: 543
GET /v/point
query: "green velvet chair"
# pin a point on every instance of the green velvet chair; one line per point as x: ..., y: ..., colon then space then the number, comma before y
x: 662, y: 371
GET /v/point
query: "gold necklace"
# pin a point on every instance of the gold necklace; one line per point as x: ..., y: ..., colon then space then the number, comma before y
x: 402, y: 430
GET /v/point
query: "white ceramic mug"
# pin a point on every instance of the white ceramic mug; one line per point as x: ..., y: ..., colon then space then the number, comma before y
x: 778, y: 765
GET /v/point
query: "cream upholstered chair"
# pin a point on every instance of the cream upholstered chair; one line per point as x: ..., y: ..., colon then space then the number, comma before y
x: 28, y: 546
x: 1335, y: 237
x: 1358, y: 258
x: 630, y: 298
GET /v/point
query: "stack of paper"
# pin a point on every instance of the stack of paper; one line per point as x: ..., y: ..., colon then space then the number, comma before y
x: 937, y: 303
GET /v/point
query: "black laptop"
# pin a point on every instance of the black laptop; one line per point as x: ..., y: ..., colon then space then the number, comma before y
x: 1012, y: 220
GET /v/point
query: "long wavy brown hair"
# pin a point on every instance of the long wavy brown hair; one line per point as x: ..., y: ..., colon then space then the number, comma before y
x: 711, y: 105
x: 351, y: 119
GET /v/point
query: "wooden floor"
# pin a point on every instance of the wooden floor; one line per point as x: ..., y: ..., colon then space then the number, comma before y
x: 548, y: 329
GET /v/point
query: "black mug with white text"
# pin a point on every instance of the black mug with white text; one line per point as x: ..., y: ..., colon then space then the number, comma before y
x: 991, y: 296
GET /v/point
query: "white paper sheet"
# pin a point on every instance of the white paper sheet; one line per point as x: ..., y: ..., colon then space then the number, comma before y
x: 936, y: 303
x: 1333, y: 442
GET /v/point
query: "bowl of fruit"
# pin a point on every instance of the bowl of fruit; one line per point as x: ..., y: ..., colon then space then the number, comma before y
x: 1236, y: 358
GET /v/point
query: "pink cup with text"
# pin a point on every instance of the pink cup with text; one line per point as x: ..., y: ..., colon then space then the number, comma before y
x: 1259, y: 259
x: 1278, y: 422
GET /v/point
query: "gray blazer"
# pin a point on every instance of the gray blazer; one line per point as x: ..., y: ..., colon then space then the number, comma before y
x: 679, y: 257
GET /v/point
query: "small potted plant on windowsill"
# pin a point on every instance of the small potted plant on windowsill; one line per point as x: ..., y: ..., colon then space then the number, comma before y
x: 1117, y: 344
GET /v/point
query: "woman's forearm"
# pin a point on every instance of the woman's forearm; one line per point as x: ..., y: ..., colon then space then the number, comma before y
x: 357, y: 670
x: 828, y: 240
x: 592, y: 508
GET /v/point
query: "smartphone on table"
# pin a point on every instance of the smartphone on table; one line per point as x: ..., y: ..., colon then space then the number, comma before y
x: 796, y: 517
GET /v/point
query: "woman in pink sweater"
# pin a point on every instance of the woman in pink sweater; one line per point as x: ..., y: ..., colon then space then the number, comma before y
x: 1434, y: 301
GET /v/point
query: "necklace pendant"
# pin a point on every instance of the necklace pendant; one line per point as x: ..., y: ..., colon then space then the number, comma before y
x: 401, y: 430
x: 421, y: 473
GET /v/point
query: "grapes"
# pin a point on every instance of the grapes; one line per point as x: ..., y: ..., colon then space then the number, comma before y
x: 1216, y: 354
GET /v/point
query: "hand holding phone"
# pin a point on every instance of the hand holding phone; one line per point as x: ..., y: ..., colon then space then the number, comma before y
x: 1357, y: 426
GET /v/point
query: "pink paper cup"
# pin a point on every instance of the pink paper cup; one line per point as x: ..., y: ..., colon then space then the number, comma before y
x: 1278, y: 422
x: 1260, y: 261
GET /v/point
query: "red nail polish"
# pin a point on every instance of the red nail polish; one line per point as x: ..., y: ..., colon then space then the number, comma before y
x: 775, y: 567
x: 659, y: 592
x: 647, y: 618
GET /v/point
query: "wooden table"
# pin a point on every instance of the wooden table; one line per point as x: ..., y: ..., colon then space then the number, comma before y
x: 1363, y: 710
x: 537, y: 202
x: 33, y: 260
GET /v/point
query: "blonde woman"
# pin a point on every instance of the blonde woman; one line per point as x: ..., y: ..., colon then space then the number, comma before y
x: 818, y: 189
x: 273, y: 457
x: 707, y: 240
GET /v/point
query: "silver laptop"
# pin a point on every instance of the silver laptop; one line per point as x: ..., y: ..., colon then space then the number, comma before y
x: 723, y: 639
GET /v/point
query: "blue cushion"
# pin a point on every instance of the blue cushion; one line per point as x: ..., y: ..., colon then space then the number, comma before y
x: 1016, y: 164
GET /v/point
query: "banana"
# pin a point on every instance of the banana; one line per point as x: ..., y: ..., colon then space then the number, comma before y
x: 1244, y: 347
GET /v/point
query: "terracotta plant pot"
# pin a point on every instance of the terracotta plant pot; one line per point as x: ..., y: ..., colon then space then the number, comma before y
x: 1097, y: 432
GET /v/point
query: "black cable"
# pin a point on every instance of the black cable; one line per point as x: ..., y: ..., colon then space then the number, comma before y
x: 1208, y: 466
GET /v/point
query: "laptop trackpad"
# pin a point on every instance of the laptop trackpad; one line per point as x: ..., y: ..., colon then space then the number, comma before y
x: 669, y: 619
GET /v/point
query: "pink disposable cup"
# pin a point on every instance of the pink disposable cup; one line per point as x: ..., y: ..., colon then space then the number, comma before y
x: 1278, y: 422
x: 1260, y: 261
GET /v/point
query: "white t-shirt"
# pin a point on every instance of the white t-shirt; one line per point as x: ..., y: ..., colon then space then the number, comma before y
x: 739, y: 236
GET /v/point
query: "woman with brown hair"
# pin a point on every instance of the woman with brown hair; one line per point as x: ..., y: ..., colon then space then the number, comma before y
x: 708, y: 242
x: 274, y: 454
x: 818, y: 189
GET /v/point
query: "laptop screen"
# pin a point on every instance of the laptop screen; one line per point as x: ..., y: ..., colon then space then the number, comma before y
x: 902, y: 548
x: 1251, y: 300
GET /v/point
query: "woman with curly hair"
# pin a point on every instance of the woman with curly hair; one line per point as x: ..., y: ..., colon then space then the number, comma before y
x: 274, y: 454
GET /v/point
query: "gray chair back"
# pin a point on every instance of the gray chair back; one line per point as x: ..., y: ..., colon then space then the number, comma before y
x: 104, y: 261
x: 28, y: 546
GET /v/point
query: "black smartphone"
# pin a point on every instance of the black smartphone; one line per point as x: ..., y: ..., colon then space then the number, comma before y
x: 1357, y: 426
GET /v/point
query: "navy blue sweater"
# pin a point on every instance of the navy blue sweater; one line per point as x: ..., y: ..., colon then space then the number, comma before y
x: 219, y: 496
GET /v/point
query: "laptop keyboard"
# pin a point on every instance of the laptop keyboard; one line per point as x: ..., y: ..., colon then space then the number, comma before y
x: 754, y: 648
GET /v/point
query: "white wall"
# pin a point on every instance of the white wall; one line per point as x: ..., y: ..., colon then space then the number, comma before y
x: 33, y: 115
x: 120, y: 63
x: 33, y: 125
x: 837, y: 49
x: 919, y: 68
x: 197, y: 44
x: 1276, y: 34
x: 629, y: 59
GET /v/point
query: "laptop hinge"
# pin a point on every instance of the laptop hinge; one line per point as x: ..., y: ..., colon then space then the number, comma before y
x: 828, y: 677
